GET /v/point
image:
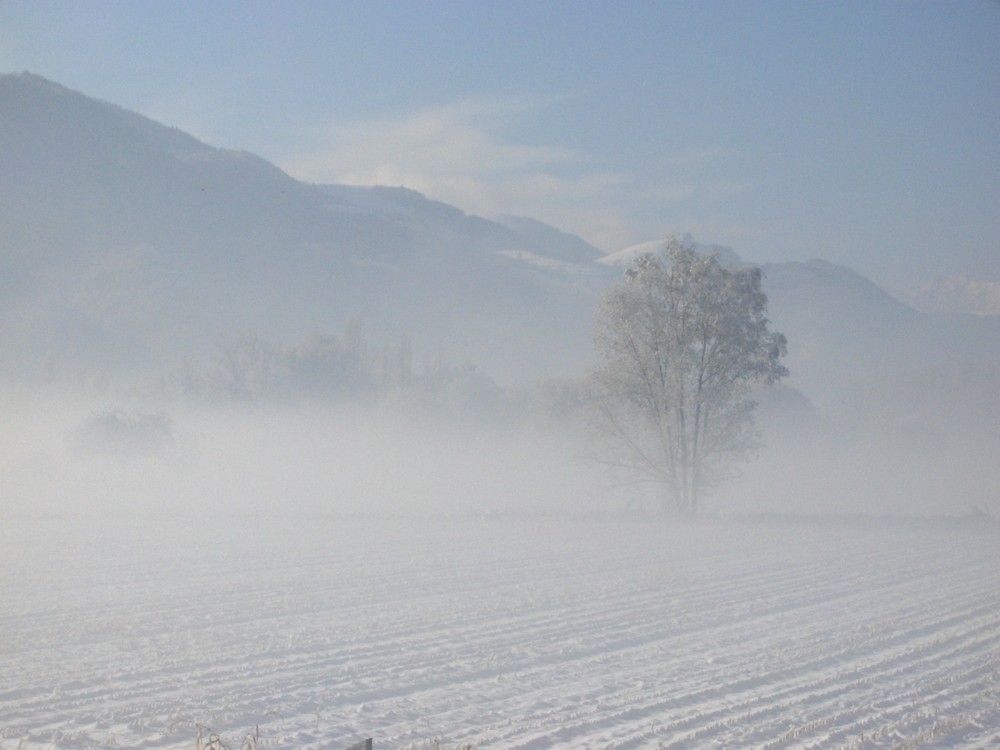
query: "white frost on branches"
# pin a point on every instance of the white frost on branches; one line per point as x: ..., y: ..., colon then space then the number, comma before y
x: 681, y: 342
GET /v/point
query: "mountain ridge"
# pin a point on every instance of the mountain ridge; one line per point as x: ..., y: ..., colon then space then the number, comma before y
x: 96, y: 192
x: 130, y: 245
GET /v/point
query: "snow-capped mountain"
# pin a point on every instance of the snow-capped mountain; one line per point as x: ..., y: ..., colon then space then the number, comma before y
x: 624, y: 258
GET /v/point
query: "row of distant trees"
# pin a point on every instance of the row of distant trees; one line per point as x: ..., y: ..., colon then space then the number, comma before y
x: 350, y: 368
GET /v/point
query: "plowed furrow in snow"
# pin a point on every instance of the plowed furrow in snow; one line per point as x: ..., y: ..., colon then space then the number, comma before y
x: 586, y: 635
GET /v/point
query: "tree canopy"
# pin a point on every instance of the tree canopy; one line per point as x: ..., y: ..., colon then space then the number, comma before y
x: 681, y: 342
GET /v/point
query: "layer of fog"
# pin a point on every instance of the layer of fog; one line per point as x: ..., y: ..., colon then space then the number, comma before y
x: 355, y: 424
x: 74, y: 456
x: 918, y: 445
x: 118, y: 454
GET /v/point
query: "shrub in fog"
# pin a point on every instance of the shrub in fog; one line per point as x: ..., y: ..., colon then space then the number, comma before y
x: 124, y: 434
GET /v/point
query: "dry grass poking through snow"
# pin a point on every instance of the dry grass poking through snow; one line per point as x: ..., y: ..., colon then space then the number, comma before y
x: 209, y: 740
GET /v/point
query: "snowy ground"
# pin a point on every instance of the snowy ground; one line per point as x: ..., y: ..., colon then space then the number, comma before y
x: 499, y: 633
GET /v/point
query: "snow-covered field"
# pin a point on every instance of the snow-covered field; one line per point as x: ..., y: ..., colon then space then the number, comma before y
x: 499, y: 633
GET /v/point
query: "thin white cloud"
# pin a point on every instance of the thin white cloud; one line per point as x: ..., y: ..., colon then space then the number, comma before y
x: 456, y: 153
x: 435, y: 143
x: 459, y: 153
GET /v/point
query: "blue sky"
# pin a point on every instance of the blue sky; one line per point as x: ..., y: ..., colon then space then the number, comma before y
x: 865, y: 133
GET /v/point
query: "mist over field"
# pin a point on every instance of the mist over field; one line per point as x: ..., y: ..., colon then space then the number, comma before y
x: 483, y: 450
x: 77, y: 457
x: 304, y: 446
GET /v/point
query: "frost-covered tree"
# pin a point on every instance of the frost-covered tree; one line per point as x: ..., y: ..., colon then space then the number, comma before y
x: 681, y: 343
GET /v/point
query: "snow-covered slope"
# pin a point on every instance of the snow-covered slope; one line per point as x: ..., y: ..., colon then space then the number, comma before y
x: 623, y: 258
x: 550, y: 242
x: 126, y: 243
